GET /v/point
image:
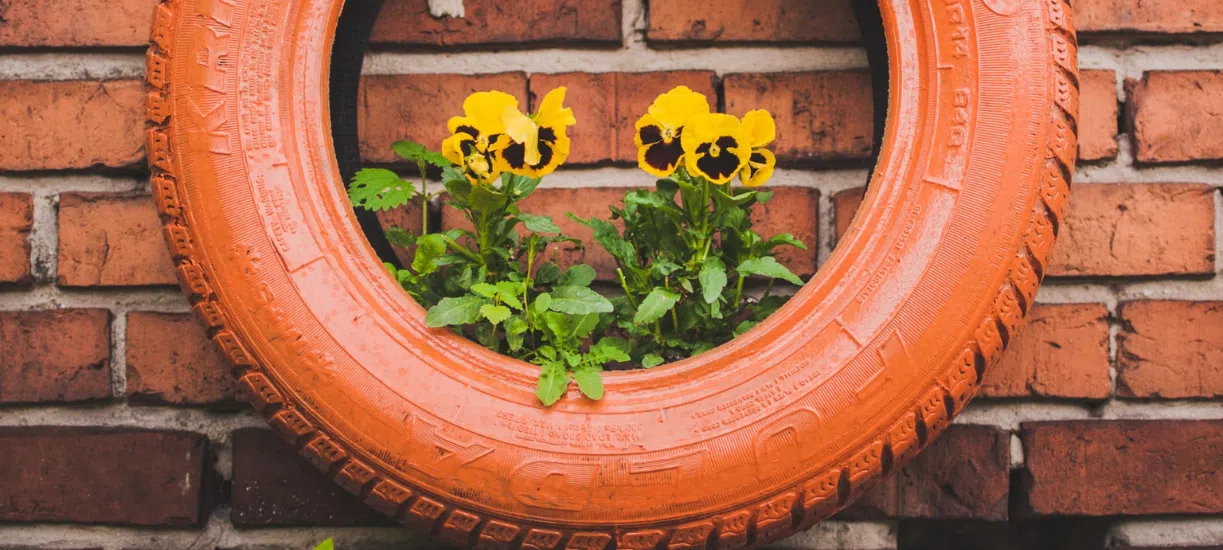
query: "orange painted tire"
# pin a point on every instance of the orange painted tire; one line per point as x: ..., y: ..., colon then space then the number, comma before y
x: 738, y: 447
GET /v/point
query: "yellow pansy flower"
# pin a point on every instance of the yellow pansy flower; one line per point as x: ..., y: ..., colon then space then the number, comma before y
x: 761, y: 130
x: 474, y: 135
x: 716, y: 147
x: 535, y: 146
x: 660, y: 132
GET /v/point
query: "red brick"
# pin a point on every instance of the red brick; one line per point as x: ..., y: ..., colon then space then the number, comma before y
x: 1175, y: 116
x: 1170, y: 350
x: 170, y: 360
x: 274, y: 486
x: 1123, y: 468
x: 1137, y: 230
x: 54, y: 356
x: 71, y: 124
x: 793, y: 210
x: 1061, y: 352
x: 965, y: 474
x: 733, y: 21
x: 607, y: 106
x: 1139, y: 16
x: 16, y: 220
x: 111, y: 240
x: 1098, y: 115
x: 417, y: 107
x: 88, y: 475
x: 75, y: 23
x: 845, y: 205
x: 821, y: 116
x: 489, y: 22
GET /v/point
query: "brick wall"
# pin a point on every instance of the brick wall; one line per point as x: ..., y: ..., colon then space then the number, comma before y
x: 1103, y: 427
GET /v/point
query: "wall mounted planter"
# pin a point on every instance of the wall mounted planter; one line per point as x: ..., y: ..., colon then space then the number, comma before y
x: 740, y: 446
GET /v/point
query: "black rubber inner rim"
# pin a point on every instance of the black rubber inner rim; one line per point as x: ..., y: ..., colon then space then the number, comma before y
x: 352, y: 41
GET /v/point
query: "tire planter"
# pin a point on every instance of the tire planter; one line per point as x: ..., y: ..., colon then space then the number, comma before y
x: 738, y: 447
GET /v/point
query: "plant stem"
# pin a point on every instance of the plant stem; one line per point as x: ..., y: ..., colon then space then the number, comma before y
x: 424, y: 198
x: 624, y: 284
x: 739, y: 290
x: 455, y: 246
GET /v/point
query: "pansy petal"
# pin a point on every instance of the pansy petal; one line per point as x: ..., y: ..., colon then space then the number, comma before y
x: 552, y: 112
x: 760, y: 127
x: 484, y: 110
x: 452, y: 147
x: 522, y: 130
x: 675, y: 108
x: 649, y: 131
x: 660, y: 159
x: 759, y: 168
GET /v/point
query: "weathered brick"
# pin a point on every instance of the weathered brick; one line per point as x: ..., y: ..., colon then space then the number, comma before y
x: 845, y: 206
x: 274, y: 486
x: 75, y: 23
x: 417, y: 107
x: 16, y: 221
x: 821, y: 116
x: 488, y: 22
x: 965, y: 474
x: 111, y: 240
x: 1137, y: 230
x: 1123, y: 468
x: 71, y: 124
x: 1098, y: 115
x: 89, y: 475
x: 1175, y: 116
x: 1061, y: 352
x: 54, y: 356
x: 1170, y: 350
x: 171, y: 361
x: 1140, y: 17
x: 792, y: 210
x: 732, y: 21
x: 607, y: 106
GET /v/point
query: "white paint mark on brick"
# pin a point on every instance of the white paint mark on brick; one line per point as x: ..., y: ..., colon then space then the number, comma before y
x: 1008, y: 416
x: 634, y: 22
x: 1166, y: 533
x: 838, y: 535
x: 446, y: 8
x: 1018, y: 460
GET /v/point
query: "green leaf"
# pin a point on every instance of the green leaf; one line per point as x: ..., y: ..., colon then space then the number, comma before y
x: 782, y: 240
x: 646, y: 198
x: 518, y: 187
x: 456, y: 184
x: 612, y: 349
x: 553, y: 382
x: 579, y: 300
x: 538, y: 224
x: 768, y: 267
x: 400, y: 237
x: 416, y: 152
x: 515, y: 333
x: 584, y: 324
x: 543, y: 303
x: 547, y: 273
x: 744, y: 327
x: 428, y: 249
x: 484, y: 198
x: 663, y: 267
x: 578, y: 275
x: 609, y: 238
x: 508, y: 292
x: 379, y: 189
x: 590, y: 381
x: 495, y: 314
x: 328, y: 544
x: 652, y: 360
x: 484, y: 289
x: 654, y: 306
x: 464, y: 310
x: 764, y: 196
x: 713, y: 279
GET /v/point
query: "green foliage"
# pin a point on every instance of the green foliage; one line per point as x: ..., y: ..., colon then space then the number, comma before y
x: 684, y: 256
x: 328, y: 544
